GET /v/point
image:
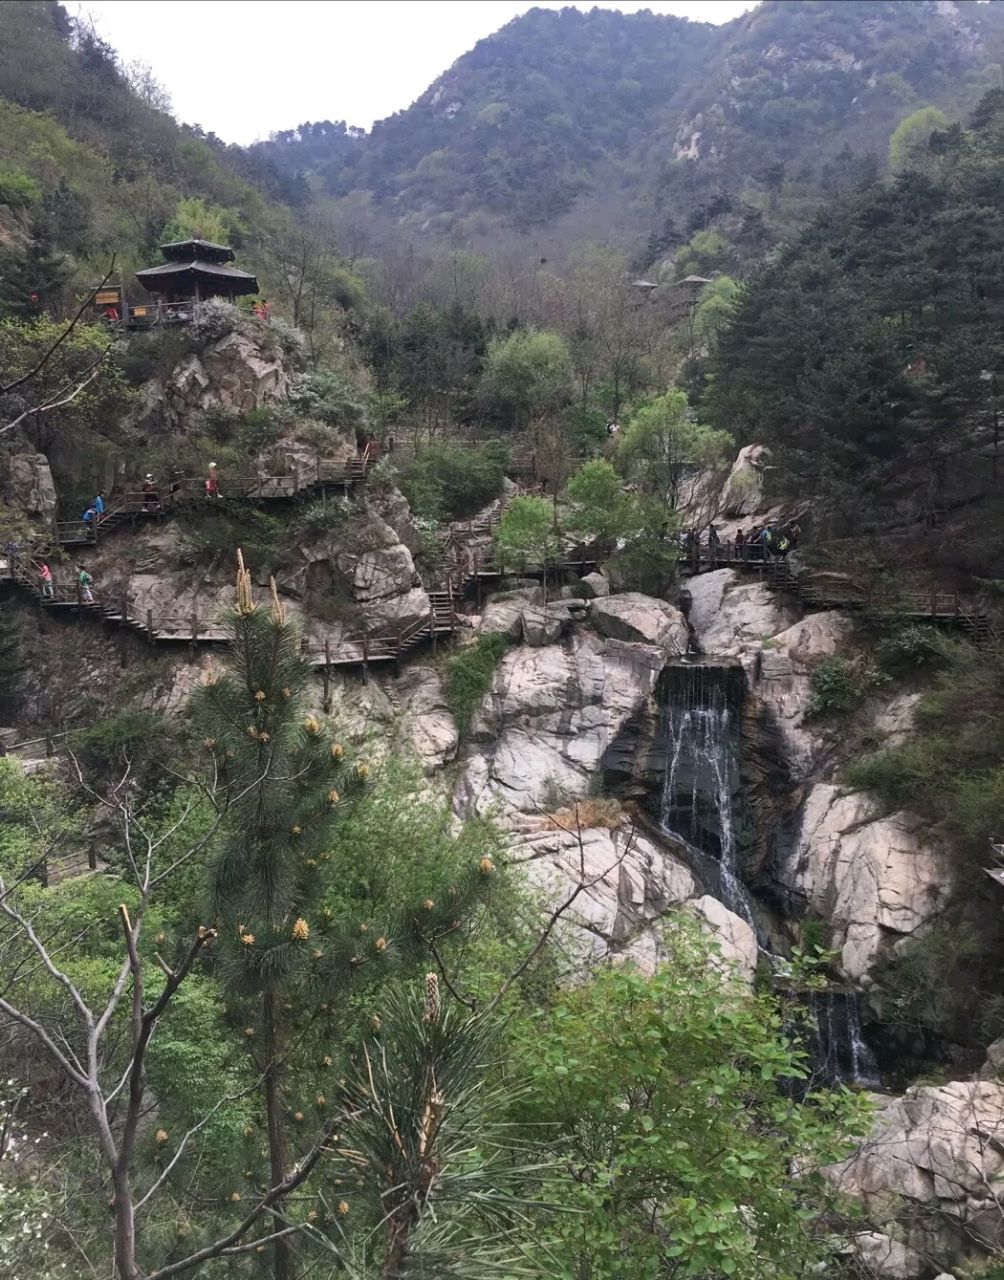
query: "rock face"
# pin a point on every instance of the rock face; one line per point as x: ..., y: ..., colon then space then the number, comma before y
x: 542, y: 733
x: 363, y: 568
x: 640, y: 618
x: 742, y: 493
x: 875, y: 880
x: 428, y: 727
x: 28, y: 485
x: 634, y: 883
x: 930, y: 1174
x: 232, y: 372
x: 784, y: 687
x: 732, y: 618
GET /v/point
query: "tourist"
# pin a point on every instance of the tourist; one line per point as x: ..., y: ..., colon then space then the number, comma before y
x: 84, y: 584
x: 150, y: 496
x: 714, y: 542
x: 783, y: 546
x: 45, y: 574
x: 767, y: 541
x: 99, y: 507
x: 740, y: 545
x: 213, y: 482
x: 90, y: 519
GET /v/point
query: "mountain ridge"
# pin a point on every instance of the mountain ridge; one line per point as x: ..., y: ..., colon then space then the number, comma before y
x: 541, y: 117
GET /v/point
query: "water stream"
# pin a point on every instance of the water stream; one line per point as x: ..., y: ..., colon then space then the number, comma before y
x: 701, y: 788
x: 841, y: 1053
x: 701, y: 805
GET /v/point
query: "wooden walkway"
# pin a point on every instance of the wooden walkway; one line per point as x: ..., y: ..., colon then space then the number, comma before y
x: 319, y: 477
x: 361, y: 647
x: 817, y: 591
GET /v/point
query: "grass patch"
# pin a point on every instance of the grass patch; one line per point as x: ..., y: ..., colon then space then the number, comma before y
x: 469, y: 677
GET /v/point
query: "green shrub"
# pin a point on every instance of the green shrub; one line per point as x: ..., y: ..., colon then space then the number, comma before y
x: 329, y: 516
x: 17, y: 189
x: 909, y: 648
x: 469, y: 677
x: 452, y: 481
x: 837, y: 686
x: 330, y: 399
x: 216, y: 534
x: 214, y: 319
x: 137, y: 734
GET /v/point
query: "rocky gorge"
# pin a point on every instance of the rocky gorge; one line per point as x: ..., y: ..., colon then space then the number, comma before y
x: 663, y: 758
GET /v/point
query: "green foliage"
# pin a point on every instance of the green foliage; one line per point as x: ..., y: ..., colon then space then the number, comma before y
x: 621, y: 1073
x: 216, y: 533
x: 18, y: 190
x: 135, y: 736
x: 330, y: 398
x: 451, y: 481
x: 527, y: 530
x: 195, y: 219
x: 858, y: 351
x: 705, y: 254
x: 525, y: 374
x: 909, y: 146
x: 912, y: 648
x: 469, y: 676
x: 838, y: 684
x: 600, y: 508
x: 661, y: 445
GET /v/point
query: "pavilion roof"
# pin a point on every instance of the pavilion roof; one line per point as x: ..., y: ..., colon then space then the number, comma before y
x: 180, y: 250
x: 152, y: 278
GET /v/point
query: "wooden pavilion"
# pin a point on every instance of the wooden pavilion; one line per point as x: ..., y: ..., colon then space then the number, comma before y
x: 193, y: 271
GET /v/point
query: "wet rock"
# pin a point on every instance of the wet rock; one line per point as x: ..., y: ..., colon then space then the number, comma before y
x: 874, y: 880
x: 636, y: 617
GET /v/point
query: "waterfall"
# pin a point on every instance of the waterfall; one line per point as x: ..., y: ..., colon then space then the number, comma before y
x: 841, y: 1054
x: 700, y: 790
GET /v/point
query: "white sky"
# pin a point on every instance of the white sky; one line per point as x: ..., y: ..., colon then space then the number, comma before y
x: 299, y: 60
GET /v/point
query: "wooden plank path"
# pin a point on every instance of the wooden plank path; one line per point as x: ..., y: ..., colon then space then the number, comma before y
x: 360, y: 647
x: 322, y: 475
x: 816, y: 592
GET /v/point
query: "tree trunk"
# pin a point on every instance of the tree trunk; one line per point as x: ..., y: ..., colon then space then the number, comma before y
x: 284, y: 1263
x: 125, y: 1226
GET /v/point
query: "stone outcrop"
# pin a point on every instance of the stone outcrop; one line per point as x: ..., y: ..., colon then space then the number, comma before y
x: 732, y: 618
x: 28, y: 486
x: 640, y: 618
x: 930, y: 1175
x: 874, y: 880
x: 742, y: 493
x: 632, y: 883
x: 553, y: 712
x: 231, y: 373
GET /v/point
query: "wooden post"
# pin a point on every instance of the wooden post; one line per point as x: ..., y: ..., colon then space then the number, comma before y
x: 149, y: 626
x: 366, y: 654
x: 327, y: 673
x: 195, y: 635
x: 92, y: 857
x: 934, y: 601
x: 477, y: 582
x: 432, y: 627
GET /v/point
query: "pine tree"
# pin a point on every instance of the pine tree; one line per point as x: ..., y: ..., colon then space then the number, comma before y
x: 287, y: 960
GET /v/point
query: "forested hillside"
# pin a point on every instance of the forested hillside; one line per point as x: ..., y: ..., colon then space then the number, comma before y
x: 658, y: 125
x: 500, y: 753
